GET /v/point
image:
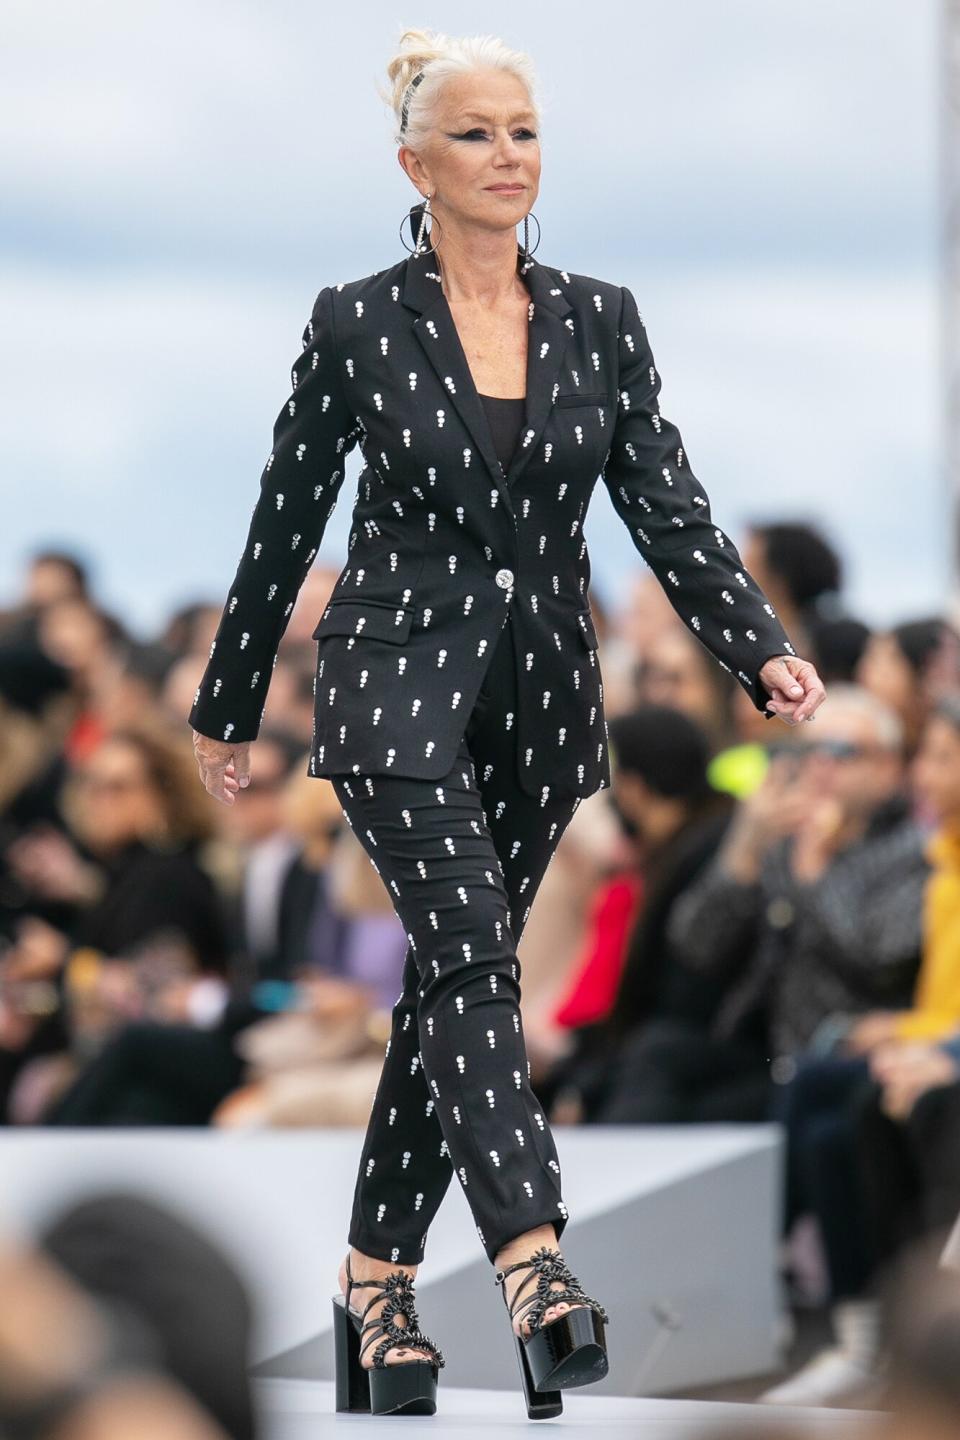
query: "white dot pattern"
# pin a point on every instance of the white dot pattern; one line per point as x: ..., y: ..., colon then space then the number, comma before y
x: 445, y: 545
x: 461, y: 860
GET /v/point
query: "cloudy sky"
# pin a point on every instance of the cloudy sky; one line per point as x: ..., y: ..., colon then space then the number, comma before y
x: 178, y: 180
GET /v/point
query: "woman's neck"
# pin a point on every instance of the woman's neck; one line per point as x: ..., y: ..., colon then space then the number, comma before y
x: 480, y: 271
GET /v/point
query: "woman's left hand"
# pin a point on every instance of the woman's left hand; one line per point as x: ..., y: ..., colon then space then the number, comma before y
x: 794, y: 686
x: 877, y: 1027
x: 915, y: 1071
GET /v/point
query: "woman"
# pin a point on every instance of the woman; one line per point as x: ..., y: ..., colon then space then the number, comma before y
x: 143, y: 919
x: 910, y: 666
x: 459, y: 704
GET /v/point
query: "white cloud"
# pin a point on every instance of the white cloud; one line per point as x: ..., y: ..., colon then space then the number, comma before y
x: 179, y: 180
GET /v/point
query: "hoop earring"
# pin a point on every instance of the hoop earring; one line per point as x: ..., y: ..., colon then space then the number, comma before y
x: 426, y: 213
x: 527, y: 252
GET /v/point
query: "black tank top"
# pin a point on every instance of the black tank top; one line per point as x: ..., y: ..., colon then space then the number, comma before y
x: 506, y: 417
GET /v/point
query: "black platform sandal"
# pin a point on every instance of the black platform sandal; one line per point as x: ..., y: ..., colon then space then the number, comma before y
x: 407, y: 1388
x: 566, y: 1351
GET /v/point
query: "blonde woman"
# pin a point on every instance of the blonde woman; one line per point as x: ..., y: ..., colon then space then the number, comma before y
x: 459, y: 700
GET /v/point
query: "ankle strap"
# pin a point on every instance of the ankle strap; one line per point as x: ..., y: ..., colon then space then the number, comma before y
x: 397, y: 1281
x: 536, y: 1261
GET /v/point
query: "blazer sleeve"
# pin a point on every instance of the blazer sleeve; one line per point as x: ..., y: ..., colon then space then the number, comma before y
x: 312, y: 436
x: 667, y: 512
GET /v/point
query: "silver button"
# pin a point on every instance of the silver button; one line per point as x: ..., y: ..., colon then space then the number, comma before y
x: 504, y: 579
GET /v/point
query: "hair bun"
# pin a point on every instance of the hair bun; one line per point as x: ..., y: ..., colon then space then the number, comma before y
x: 414, y: 52
x: 431, y: 54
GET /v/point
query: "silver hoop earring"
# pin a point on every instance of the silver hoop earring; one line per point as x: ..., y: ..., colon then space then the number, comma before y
x: 425, y: 215
x: 527, y: 252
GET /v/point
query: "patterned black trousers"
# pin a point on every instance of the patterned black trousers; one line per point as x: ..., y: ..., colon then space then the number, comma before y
x: 462, y: 858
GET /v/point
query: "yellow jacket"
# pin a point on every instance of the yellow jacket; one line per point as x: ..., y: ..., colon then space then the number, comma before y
x: 936, y: 1003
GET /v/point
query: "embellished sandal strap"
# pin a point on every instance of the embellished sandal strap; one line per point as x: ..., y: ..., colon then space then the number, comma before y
x: 545, y: 1301
x: 409, y: 1337
x: 518, y: 1303
x: 358, y: 1284
x: 374, y: 1300
x: 548, y: 1266
x: 398, y: 1287
x: 402, y: 1304
x: 537, y: 1261
x: 413, y: 1340
x: 397, y: 1280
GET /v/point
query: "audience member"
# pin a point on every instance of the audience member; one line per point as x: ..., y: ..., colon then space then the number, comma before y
x: 751, y: 923
x: 675, y: 818
x: 139, y: 909
x: 883, y: 1057
x: 908, y: 666
x: 808, y: 912
x: 800, y: 572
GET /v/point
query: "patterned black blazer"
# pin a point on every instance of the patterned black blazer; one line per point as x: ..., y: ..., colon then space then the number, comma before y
x: 444, y: 545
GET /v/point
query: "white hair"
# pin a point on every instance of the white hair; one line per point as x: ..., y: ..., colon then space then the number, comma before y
x: 441, y: 57
x: 849, y: 696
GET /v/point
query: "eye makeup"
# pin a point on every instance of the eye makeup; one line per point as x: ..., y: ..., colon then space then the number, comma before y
x: 482, y: 134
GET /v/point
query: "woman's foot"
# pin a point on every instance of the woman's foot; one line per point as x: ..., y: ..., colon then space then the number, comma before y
x: 522, y: 1248
x: 365, y: 1267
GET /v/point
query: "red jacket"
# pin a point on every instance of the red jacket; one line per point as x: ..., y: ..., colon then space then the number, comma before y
x: 595, y: 975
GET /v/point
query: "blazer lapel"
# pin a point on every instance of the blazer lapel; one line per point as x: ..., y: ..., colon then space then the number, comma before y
x: 436, y: 331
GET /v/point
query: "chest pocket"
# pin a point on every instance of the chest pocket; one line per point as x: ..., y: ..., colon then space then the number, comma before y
x: 582, y: 399
x: 371, y: 619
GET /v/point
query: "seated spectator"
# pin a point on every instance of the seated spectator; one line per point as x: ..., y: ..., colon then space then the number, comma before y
x: 809, y: 909
x: 908, y: 1156
x: 801, y: 573
x: 257, y: 865
x: 299, y: 1043
x: 839, y: 643
x: 592, y: 850
x: 37, y: 712
x: 677, y: 670
x: 144, y: 909
x: 335, y: 916
x: 835, y: 1097
x: 317, y: 1061
x: 675, y: 819
x: 908, y: 667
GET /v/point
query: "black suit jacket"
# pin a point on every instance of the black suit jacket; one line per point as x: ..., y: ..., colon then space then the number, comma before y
x: 444, y: 544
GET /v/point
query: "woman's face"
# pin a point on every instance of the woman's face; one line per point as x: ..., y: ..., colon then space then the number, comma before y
x: 936, y: 768
x: 673, y: 673
x: 117, y: 801
x: 884, y: 669
x: 485, y: 136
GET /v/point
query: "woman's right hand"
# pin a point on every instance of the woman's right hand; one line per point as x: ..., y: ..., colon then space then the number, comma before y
x: 774, y: 809
x: 224, y: 767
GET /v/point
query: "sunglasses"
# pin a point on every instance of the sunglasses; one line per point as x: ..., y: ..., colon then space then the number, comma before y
x: 839, y: 749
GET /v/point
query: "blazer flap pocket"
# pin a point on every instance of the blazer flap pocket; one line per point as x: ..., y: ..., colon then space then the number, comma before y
x: 372, y: 619
x: 585, y: 621
x: 584, y: 399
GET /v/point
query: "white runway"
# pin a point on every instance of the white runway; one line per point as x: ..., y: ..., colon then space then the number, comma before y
x: 303, y: 1410
x: 676, y: 1228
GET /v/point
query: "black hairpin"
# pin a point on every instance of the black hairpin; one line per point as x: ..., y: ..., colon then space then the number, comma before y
x: 410, y: 88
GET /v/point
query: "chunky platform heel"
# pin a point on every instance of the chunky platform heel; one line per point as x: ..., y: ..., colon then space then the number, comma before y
x: 566, y: 1351
x: 406, y: 1388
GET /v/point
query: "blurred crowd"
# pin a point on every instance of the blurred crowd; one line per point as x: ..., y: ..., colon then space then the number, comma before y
x: 755, y: 923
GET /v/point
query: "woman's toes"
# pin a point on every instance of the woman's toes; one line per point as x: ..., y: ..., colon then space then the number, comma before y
x: 402, y: 1356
